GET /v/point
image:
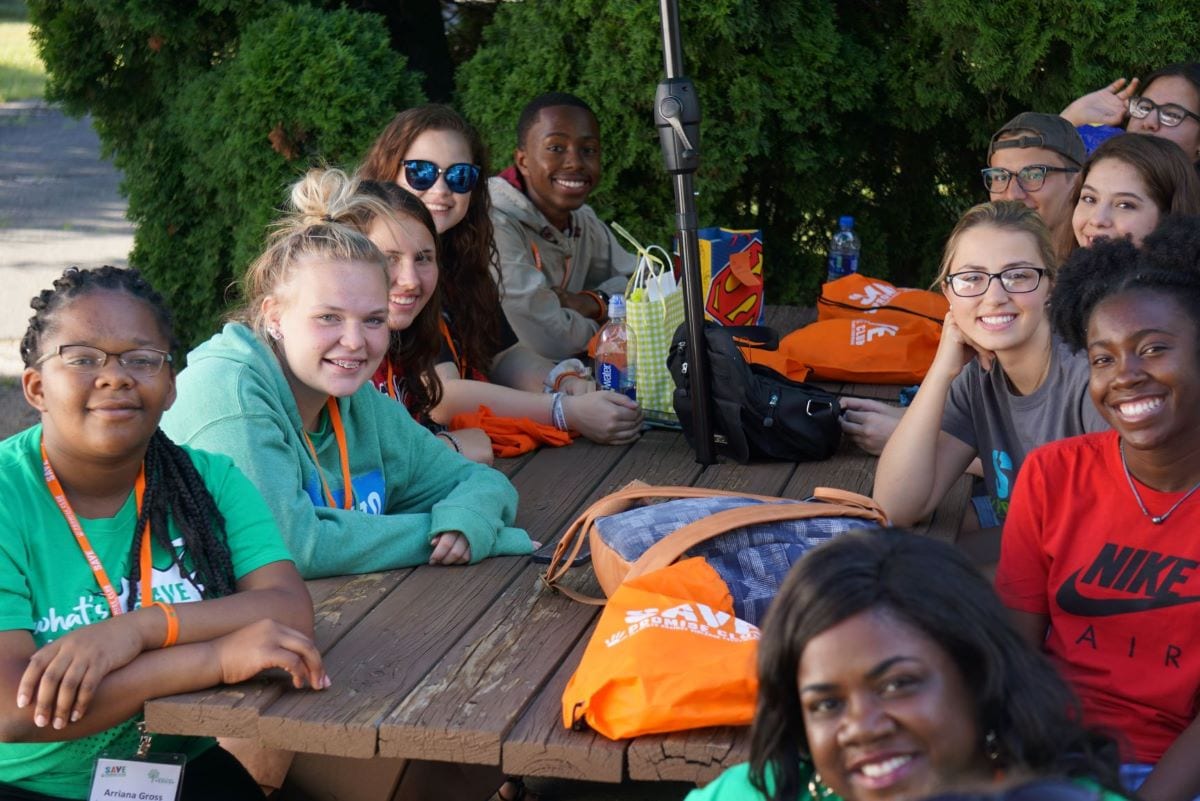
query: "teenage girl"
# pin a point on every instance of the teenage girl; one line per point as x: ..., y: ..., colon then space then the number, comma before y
x: 356, y: 484
x: 1128, y: 185
x: 1100, y: 551
x: 434, y: 153
x: 996, y: 272
x: 130, y: 567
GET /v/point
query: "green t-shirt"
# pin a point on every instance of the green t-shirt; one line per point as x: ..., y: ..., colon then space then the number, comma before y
x: 47, y: 588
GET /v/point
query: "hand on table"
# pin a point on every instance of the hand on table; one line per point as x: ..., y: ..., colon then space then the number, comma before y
x: 869, y: 423
x: 1107, y: 106
x: 579, y: 302
x: 607, y: 417
x: 450, y: 548
x: 475, y: 443
x: 265, y: 644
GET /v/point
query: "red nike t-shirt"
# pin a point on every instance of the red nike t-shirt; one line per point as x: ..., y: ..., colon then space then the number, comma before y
x: 1123, y: 594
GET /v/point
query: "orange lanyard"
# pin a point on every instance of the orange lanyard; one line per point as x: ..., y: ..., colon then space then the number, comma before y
x: 339, y: 433
x: 391, y: 379
x: 106, y: 587
x: 459, y: 364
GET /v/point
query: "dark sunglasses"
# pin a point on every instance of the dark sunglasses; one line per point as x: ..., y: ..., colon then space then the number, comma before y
x: 460, y: 178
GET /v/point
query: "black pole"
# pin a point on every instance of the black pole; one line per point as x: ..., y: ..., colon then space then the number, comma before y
x: 677, y: 117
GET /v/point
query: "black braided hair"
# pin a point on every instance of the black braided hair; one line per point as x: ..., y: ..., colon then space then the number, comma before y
x: 174, y: 488
x: 1168, y: 262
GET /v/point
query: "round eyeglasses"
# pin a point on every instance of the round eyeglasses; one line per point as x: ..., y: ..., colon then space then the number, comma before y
x: 1030, y: 178
x: 1015, y: 280
x: 84, y: 359
x: 1169, y: 114
x: 421, y: 174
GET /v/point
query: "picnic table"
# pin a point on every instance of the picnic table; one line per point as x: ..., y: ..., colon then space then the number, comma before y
x: 468, y: 664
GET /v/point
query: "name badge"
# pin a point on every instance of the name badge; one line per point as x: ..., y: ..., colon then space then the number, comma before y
x: 153, y: 777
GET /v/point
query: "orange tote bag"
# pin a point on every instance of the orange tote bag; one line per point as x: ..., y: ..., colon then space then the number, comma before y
x: 857, y: 295
x: 624, y: 688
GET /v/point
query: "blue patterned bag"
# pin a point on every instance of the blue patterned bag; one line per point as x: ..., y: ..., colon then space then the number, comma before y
x: 752, y: 541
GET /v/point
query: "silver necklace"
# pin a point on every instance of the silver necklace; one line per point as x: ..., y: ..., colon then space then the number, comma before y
x: 1159, y: 519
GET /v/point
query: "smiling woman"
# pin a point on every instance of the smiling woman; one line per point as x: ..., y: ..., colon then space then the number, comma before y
x: 876, y: 684
x: 1100, y: 550
x: 356, y: 484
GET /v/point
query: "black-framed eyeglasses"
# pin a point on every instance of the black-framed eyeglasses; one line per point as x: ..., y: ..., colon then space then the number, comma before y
x: 139, y: 362
x: 1030, y: 178
x: 460, y: 178
x: 1169, y: 114
x: 1015, y: 280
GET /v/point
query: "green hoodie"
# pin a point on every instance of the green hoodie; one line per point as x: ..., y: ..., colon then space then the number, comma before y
x: 408, y: 486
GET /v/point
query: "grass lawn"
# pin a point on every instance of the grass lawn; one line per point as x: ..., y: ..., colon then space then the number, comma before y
x: 22, y: 75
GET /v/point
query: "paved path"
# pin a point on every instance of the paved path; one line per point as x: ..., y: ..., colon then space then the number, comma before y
x: 59, y: 206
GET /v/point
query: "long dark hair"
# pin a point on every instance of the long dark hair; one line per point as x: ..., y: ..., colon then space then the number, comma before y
x: 469, y: 248
x: 174, y: 488
x: 417, y: 347
x: 932, y: 587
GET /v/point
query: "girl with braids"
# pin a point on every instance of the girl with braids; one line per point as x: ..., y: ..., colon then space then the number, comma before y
x: 1000, y: 384
x: 355, y: 483
x: 877, y: 683
x: 1100, y: 551
x: 438, y: 156
x: 130, y: 567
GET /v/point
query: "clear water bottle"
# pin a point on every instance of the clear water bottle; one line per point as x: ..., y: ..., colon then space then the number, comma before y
x: 843, y: 250
x: 615, y: 361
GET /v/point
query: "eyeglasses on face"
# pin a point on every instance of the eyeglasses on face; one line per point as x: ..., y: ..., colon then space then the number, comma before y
x: 1169, y: 114
x: 1030, y: 178
x: 460, y: 178
x: 84, y: 359
x: 1015, y: 280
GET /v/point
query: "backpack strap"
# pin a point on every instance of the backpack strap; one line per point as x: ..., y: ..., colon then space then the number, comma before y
x: 671, y: 547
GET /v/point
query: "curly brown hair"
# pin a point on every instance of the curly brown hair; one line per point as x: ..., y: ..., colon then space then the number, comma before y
x: 468, y: 250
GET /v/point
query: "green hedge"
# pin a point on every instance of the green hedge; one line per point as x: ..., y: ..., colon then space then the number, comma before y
x: 813, y: 109
x: 211, y: 109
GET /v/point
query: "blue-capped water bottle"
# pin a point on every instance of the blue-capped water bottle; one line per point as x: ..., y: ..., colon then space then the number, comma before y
x: 615, y: 362
x: 843, y: 250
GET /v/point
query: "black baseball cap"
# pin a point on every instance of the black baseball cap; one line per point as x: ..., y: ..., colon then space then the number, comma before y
x: 1034, y: 129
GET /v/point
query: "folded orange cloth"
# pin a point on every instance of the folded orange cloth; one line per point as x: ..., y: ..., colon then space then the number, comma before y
x: 511, y: 436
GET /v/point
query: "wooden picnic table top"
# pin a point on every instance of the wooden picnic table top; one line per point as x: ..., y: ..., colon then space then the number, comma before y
x: 468, y: 664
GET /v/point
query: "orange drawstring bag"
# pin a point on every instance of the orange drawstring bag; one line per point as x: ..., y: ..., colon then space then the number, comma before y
x: 624, y: 687
x: 863, y: 350
x: 855, y: 295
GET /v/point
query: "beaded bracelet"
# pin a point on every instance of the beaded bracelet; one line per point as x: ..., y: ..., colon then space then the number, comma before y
x: 453, y: 440
x: 557, y: 413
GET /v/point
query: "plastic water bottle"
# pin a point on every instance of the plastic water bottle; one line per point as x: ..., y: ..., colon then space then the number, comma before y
x: 843, y: 250
x: 615, y: 361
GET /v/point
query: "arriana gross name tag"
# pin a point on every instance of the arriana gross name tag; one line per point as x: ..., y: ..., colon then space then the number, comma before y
x: 155, y: 777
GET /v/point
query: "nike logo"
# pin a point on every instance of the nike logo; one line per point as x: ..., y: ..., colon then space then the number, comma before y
x: 1074, y: 603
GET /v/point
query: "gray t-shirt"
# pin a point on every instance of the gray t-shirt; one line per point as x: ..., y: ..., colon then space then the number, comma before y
x: 1004, y: 427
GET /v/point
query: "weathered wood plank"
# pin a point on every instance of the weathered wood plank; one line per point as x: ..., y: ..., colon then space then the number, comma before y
x: 232, y: 711
x: 699, y: 755
x: 461, y: 711
x: 512, y: 465
x: 556, y: 482
x: 947, y: 519
x: 758, y: 478
x: 384, y: 657
x: 786, y: 319
x: 539, y: 744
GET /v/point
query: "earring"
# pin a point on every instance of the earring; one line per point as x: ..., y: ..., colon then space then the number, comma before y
x: 816, y: 789
x: 991, y: 746
x: 274, y: 333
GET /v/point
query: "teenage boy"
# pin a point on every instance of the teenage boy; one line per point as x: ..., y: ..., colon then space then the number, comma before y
x: 1035, y: 158
x: 558, y: 262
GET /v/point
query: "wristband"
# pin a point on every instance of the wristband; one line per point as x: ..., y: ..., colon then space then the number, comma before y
x: 453, y: 440
x: 556, y: 412
x: 559, y: 371
x: 172, y: 624
x: 601, y: 303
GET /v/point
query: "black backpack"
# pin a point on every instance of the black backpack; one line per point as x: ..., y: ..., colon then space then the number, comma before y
x: 756, y: 412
